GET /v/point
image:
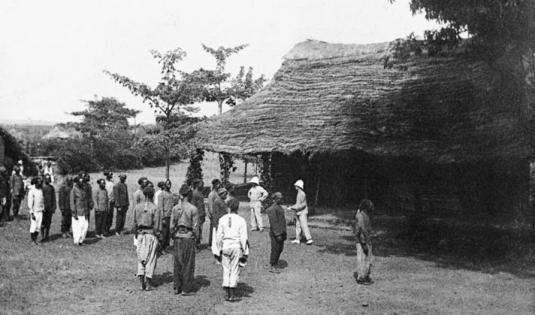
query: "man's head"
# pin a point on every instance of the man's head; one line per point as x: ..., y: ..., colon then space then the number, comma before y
x: 108, y: 175
x: 161, y: 185
x: 197, y: 184
x: 101, y: 183
x: 148, y: 192
x: 255, y: 181
x: 149, y: 184
x: 68, y: 181
x: 222, y: 192
x: 49, y: 164
x: 185, y: 192
x: 216, y: 183
x: 19, y: 163
x: 142, y: 182
x: 366, y: 205
x: 167, y: 185
x: 277, y: 198
x: 233, y: 205
x: 38, y: 181
x: 3, y: 171
x: 48, y: 179
x: 79, y: 180
x: 16, y: 169
x: 87, y: 178
x: 299, y: 184
x: 122, y: 178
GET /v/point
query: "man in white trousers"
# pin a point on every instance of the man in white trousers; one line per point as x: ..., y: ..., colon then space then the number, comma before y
x: 80, y: 208
x: 231, y: 249
x: 301, y: 211
x: 257, y: 194
x: 36, y: 205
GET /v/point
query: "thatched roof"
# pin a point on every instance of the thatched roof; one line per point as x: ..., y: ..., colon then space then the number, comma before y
x: 61, y: 133
x: 338, y: 97
x: 14, y: 151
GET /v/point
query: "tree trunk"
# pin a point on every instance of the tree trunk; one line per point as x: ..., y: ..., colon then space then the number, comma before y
x: 220, y: 107
x: 167, y: 164
x: 245, y: 173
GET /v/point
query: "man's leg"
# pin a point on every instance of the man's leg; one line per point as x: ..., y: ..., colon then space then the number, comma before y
x: 297, y: 230
x: 76, y: 227
x: 84, y: 224
x: 303, y: 220
x: 189, y: 264
x: 176, y: 267
x: 254, y: 226
x: 199, y: 233
x: 98, y: 222
x: 119, y: 222
x: 258, y: 216
x: 16, y: 205
x: 273, y: 255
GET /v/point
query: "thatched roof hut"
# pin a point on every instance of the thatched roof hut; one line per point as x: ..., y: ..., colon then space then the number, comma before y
x: 335, y: 97
x: 338, y: 100
x: 11, y: 151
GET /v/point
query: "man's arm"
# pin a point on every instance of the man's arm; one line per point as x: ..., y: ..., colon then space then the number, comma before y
x: 195, y: 223
x: 264, y: 193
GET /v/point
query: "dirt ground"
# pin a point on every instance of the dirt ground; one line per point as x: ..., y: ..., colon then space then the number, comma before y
x: 59, y: 278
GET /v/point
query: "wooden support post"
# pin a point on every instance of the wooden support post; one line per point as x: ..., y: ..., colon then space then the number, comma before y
x: 245, y: 172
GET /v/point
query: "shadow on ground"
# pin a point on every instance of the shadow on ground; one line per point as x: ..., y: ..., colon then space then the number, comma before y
x: 487, y: 249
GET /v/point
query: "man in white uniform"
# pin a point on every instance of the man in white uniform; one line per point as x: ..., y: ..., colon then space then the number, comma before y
x: 36, y: 205
x: 257, y: 194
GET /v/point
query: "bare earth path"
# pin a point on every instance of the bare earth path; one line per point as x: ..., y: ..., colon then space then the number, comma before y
x: 60, y: 278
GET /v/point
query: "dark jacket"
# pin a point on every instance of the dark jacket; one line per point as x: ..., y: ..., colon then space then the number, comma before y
x: 219, y: 209
x: 101, y: 200
x: 184, y: 220
x: 79, y: 201
x: 197, y: 199
x: 4, y: 187
x: 165, y: 204
x: 277, y: 220
x: 49, y: 195
x: 89, y: 192
x: 120, y: 194
x: 64, y: 195
x: 17, y: 185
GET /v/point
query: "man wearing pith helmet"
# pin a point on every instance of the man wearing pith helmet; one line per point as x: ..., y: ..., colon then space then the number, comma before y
x: 301, y: 211
x: 256, y: 194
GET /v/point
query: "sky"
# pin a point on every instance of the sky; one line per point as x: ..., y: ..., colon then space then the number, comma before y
x: 53, y: 53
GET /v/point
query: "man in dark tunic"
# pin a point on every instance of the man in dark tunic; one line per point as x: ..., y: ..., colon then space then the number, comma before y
x: 165, y: 207
x: 120, y: 194
x: 102, y: 204
x: 219, y: 209
x: 49, y: 195
x: 277, y: 231
x: 198, y: 201
x: 64, y: 204
x: 17, y: 190
x: 4, y: 192
x: 146, y: 229
x: 184, y: 229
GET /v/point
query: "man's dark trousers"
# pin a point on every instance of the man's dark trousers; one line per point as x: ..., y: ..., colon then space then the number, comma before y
x: 184, y: 264
x: 120, y: 219
x: 276, y: 248
x: 66, y: 220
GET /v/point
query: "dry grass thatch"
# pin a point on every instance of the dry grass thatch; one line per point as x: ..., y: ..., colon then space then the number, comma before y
x: 337, y: 97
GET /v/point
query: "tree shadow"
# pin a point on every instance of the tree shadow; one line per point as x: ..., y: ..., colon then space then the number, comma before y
x: 200, y: 282
x: 282, y: 264
x: 244, y: 290
x: 166, y: 277
x: 451, y: 245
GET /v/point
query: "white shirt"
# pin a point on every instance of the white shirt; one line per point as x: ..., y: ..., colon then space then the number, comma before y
x: 257, y: 194
x: 231, y: 232
x: 36, y: 201
x: 109, y: 189
x: 156, y: 195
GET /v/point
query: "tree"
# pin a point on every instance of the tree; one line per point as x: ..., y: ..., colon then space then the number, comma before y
x: 215, y: 86
x: 172, y: 96
x: 495, y: 26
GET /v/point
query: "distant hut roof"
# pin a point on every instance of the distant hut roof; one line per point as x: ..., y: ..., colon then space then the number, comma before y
x: 60, y: 133
x: 339, y: 97
x: 12, y: 150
